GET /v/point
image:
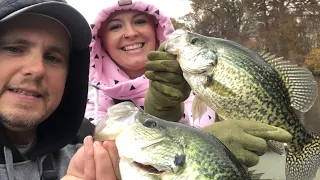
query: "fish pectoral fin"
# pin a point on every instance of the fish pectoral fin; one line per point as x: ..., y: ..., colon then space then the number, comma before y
x: 277, y: 147
x: 301, y: 85
x: 198, y: 108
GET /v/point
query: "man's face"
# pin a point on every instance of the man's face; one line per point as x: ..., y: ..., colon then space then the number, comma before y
x: 34, y: 53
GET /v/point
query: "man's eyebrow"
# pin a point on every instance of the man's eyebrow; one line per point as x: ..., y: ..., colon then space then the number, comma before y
x: 5, y: 41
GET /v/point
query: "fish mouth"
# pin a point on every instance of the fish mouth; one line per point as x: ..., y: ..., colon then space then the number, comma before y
x: 149, y: 168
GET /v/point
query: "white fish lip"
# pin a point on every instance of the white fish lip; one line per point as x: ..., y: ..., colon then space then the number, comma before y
x: 132, y: 47
x: 25, y: 92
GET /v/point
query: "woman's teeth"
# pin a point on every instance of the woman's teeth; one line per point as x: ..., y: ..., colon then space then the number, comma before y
x: 128, y: 48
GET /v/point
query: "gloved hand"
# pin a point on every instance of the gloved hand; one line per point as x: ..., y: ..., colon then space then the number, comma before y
x: 247, y: 139
x: 167, y: 89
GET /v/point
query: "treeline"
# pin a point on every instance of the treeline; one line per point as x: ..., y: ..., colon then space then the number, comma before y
x: 288, y: 28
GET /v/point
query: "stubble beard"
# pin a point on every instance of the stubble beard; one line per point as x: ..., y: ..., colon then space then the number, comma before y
x: 18, y: 122
x: 14, y: 121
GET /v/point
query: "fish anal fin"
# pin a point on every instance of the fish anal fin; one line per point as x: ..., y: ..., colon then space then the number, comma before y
x: 301, y: 116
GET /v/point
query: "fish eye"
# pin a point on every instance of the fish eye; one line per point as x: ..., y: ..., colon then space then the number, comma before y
x: 149, y: 123
x: 180, y: 160
x: 194, y: 40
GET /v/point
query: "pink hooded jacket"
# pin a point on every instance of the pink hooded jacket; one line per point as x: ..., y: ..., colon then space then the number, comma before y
x: 112, y: 85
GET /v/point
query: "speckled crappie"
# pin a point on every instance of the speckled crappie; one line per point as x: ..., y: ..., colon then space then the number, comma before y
x: 239, y: 84
x: 155, y: 149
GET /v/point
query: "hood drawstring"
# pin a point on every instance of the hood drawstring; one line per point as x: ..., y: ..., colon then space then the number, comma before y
x: 48, y: 171
x: 9, y: 162
x: 96, y: 105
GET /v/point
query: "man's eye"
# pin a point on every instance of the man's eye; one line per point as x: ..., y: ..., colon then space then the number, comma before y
x: 52, y: 59
x: 13, y: 49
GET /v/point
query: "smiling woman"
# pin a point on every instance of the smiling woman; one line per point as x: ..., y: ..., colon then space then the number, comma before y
x: 124, y: 33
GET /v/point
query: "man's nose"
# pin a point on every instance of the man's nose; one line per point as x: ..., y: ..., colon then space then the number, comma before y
x: 34, y: 66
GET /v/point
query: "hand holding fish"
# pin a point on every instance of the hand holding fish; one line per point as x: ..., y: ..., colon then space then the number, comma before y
x: 168, y: 89
x: 94, y: 161
x: 247, y: 139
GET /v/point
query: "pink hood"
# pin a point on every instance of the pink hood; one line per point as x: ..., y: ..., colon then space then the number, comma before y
x: 104, y: 73
x: 109, y: 81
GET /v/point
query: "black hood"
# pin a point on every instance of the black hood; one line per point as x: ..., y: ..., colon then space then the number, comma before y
x: 62, y: 126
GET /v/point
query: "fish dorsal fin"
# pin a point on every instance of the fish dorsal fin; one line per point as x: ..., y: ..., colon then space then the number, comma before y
x: 299, y: 81
x: 198, y: 108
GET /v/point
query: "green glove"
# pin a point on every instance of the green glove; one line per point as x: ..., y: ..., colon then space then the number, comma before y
x: 247, y: 139
x: 167, y: 89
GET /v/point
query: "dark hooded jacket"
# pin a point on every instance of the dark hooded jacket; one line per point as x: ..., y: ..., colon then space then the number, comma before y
x: 57, y: 138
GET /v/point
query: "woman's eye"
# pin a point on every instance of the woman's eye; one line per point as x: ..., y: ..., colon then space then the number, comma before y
x: 140, y: 21
x: 115, y: 27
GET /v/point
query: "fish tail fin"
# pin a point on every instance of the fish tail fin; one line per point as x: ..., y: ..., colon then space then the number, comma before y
x: 305, y: 163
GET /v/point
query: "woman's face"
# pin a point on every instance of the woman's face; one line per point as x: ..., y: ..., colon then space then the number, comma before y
x: 128, y: 36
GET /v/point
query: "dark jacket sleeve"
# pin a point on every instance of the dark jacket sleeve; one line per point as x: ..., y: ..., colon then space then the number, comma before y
x: 86, y: 129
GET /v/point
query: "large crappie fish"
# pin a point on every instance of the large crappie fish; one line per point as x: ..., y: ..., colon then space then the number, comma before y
x: 155, y: 149
x: 239, y: 84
